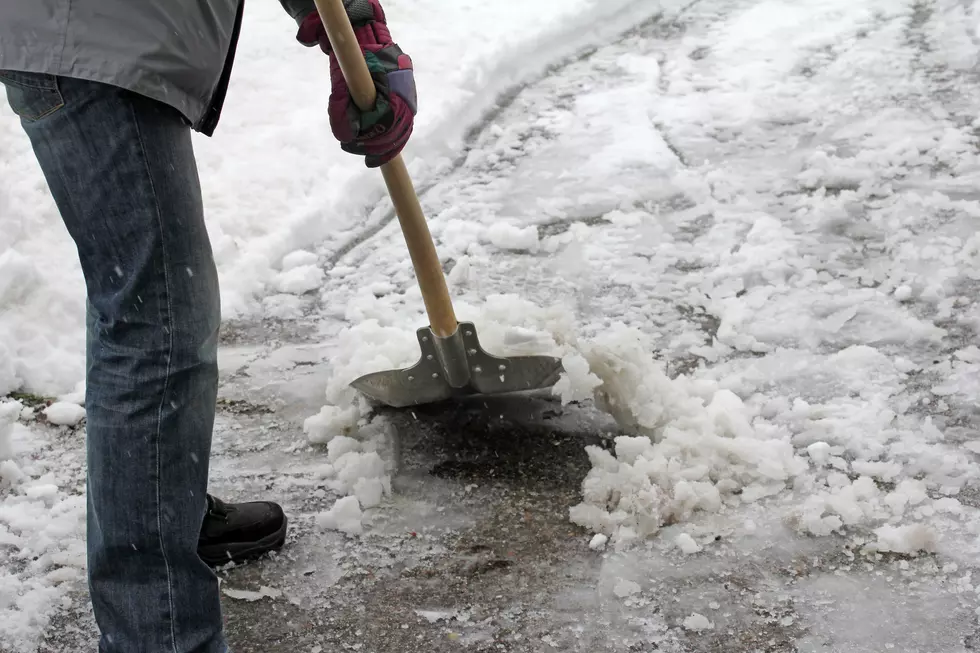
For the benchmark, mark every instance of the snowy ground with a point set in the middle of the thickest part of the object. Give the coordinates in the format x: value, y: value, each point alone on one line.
x: 749, y: 226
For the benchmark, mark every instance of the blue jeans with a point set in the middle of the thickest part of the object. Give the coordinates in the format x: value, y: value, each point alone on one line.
x: 121, y: 169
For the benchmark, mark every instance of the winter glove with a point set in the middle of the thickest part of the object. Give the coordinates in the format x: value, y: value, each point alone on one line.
x: 380, y: 133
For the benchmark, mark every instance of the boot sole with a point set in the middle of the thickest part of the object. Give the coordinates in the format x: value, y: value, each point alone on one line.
x: 217, y: 555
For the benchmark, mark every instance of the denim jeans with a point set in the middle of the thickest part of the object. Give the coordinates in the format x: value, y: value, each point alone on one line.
x: 122, y: 172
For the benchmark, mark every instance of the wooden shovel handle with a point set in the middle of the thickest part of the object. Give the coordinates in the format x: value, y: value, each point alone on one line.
x: 428, y: 270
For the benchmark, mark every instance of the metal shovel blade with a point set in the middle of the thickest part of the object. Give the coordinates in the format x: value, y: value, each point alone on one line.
x: 457, y: 366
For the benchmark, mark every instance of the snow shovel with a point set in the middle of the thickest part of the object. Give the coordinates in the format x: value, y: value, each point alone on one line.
x: 453, y: 363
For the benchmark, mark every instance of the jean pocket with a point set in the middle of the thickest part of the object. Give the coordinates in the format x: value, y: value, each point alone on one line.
x: 32, y: 96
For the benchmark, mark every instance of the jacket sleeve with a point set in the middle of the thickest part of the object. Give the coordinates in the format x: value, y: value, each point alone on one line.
x: 298, y: 9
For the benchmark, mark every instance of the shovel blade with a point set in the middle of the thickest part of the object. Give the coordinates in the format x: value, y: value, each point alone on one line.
x: 426, y: 381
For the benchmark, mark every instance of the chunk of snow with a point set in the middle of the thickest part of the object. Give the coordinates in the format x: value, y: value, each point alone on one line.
x: 330, y: 422
x: 626, y: 588
x: 345, y: 516
x: 576, y: 383
x: 819, y: 452
x: 299, y: 280
x: 697, y: 622
x: 598, y: 542
x: 247, y: 595
x: 341, y: 446
x: 62, y: 413
x: 9, y: 412
x: 506, y: 236
x: 907, y: 539
x: 297, y: 259
x: 687, y: 544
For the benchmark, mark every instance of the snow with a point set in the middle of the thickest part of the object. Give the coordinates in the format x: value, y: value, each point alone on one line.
x: 247, y: 595
x: 910, y: 539
x: 762, y: 265
x: 299, y: 280
x: 42, y: 529
x: 344, y: 516
x: 507, y: 236
x: 63, y: 413
x: 687, y: 544
x: 697, y: 622
x: 598, y: 542
x: 270, y: 189
x: 625, y: 588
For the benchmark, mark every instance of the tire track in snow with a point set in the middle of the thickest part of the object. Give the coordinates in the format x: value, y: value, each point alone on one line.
x: 477, y: 132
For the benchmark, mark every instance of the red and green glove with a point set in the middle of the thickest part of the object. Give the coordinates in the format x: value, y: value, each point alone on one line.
x: 380, y: 133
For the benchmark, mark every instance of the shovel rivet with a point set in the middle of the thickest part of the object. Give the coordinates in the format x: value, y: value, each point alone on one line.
x: 469, y: 333
x: 502, y: 368
x: 429, y: 357
x: 425, y: 338
x: 472, y: 352
x: 411, y: 378
x: 477, y: 369
x: 435, y: 375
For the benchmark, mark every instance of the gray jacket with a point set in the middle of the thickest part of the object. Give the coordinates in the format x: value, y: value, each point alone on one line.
x: 179, y: 52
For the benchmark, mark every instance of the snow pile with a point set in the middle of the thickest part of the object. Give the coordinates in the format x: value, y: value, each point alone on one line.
x: 42, y: 545
x: 696, y: 450
x: 357, y: 471
x: 381, y: 339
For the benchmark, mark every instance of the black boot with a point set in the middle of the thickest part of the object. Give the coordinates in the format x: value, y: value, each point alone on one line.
x: 234, y: 532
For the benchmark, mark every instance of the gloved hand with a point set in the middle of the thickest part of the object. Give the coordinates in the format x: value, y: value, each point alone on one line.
x: 382, y: 132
